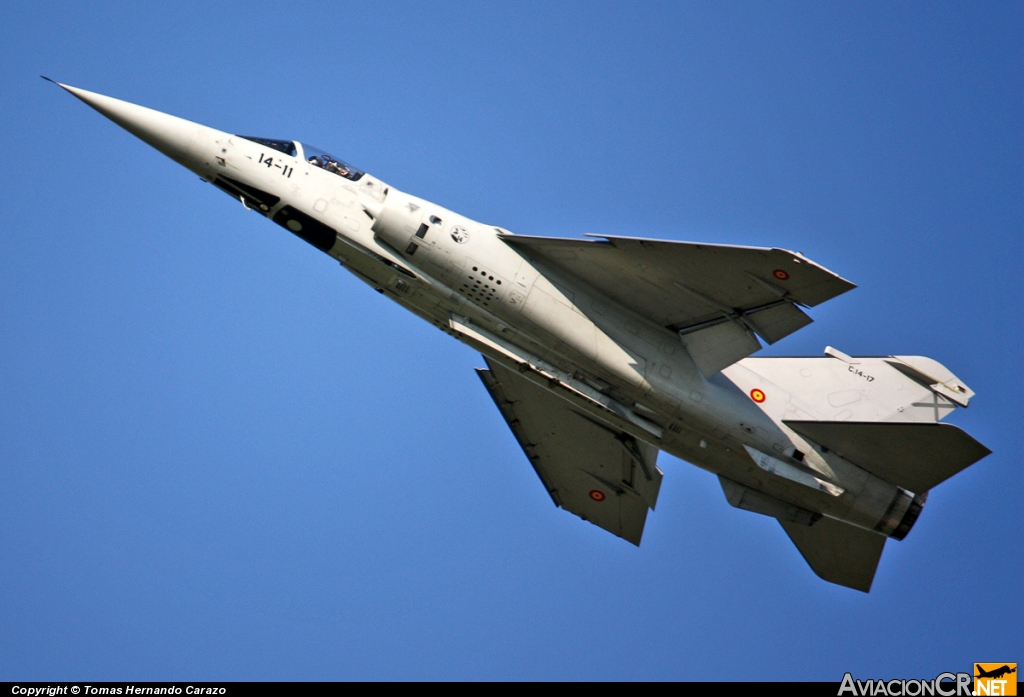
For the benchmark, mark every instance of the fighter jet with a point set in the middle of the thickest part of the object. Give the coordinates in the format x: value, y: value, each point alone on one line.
x: 603, y: 351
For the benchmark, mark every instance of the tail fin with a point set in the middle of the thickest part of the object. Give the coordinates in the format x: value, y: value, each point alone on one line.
x: 880, y: 413
x: 837, y: 387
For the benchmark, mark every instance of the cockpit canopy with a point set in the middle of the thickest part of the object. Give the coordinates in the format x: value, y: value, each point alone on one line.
x: 314, y: 156
x: 323, y: 160
x: 285, y: 146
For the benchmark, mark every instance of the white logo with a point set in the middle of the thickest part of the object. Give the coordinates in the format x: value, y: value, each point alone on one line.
x: 460, y: 235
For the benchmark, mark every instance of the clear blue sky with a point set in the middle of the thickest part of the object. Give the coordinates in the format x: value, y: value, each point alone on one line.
x: 223, y: 457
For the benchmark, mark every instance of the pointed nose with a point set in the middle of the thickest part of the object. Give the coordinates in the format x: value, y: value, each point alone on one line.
x: 185, y: 142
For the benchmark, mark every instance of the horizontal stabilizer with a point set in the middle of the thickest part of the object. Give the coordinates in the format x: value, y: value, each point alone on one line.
x: 915, y: 456
x: 589, y: 466
x: 838, y: 552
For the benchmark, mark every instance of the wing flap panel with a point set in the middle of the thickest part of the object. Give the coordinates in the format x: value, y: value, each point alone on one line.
x: 777, y: 321
x: 718, y: 346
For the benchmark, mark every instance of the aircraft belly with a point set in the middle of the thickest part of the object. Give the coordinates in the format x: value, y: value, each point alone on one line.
x: 645, y: 361
x: 863, y: 501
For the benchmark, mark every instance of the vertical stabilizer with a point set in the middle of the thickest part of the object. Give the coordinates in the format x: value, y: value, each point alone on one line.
x: 838, y: 387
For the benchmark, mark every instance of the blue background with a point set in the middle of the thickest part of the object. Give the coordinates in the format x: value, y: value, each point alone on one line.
x: 223, y: 457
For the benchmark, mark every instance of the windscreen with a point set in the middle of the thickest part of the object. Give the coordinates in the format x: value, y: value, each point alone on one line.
x: 285, y: 146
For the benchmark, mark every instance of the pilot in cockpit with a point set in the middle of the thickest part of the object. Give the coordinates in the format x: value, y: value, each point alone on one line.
x: 318, y: 158
x: 338, y: 168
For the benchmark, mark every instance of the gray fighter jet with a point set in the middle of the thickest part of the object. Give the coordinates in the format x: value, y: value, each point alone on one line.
x: 602, y: 352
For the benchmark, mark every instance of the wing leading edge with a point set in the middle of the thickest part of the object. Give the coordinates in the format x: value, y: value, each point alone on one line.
x: 588, y: 467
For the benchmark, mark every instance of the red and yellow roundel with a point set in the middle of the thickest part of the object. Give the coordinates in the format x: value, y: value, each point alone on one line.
x: 780, y: 274
x: 757, y: 395
x: 597, y: 495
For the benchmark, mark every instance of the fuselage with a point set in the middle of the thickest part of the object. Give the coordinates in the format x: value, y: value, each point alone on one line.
x: 461, y: 276
x: 458, y: 273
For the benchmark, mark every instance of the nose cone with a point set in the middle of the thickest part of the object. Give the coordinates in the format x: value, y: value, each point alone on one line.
x: 185, y: 142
